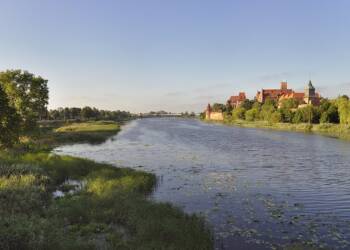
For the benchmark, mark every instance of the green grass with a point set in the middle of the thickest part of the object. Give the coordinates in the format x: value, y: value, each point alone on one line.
x: 53, y: 134
x: 98, y: 126
x: 330, y: 130
x: 110, y: 211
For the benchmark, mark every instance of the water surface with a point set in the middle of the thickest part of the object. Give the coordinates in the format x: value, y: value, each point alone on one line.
x: 258, y: 189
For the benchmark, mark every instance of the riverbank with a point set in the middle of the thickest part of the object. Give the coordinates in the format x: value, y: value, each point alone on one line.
x: 60, y: 202
x: 327, y: 129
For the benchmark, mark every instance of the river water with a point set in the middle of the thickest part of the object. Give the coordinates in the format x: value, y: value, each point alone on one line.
x: 258, y: 189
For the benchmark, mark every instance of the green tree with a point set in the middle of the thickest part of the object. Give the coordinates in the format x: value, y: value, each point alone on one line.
x: 247, y: 104
x: 289, y: 104
x: 276, y: 117
x: 9, y: 122
x: 287, y: 108
x: 343, y: 105
x: 27, y: 93
x: 218, y: 107
x: 329, y: 113
x: 298, y: 116
x: 308, y: 114
x: 252, y: 114
x: 238, y: 113
x: 267, y: 109
x: 87, y: 113
x: 228, y: 107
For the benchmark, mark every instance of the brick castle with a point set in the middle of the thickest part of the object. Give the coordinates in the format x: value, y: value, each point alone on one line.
x: 308, y: 97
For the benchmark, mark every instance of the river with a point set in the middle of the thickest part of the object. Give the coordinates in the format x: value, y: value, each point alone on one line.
x: 258, y: 189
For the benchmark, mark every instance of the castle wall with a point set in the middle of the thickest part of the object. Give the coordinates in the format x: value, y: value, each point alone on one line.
x: 216, y: 116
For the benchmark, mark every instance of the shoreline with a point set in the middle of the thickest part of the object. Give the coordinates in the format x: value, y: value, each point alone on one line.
x: 336, y: 131
x: 99, y: 205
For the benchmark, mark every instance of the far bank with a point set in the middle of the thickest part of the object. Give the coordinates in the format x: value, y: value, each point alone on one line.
x: 338, y: 131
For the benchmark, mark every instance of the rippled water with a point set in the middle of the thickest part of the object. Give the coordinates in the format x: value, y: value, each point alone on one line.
x: 258, y: 189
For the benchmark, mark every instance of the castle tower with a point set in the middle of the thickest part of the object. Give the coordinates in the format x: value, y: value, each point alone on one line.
x: 208, y: 112
x: 310, y: 93
x: 284, y: 85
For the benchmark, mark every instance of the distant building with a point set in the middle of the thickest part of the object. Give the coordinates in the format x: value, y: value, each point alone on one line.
x: 273, y: 94
x: 235, y: 101
x: 212, y: 115
x: 309, y: 96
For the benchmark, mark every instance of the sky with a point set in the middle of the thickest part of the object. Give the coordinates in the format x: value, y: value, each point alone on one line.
x: 175, y: 55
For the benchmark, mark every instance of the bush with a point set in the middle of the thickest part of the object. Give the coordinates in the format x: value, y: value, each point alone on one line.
x: 276, y: 117
x: 252, y: 115
x: 238, y: 113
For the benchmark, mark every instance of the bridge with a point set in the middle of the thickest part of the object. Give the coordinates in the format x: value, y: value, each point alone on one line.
x: 152, y: 115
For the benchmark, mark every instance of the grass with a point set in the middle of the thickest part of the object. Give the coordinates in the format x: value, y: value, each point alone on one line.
x: 327, y: 129
x: 110, y: 211
x: 52, y: 134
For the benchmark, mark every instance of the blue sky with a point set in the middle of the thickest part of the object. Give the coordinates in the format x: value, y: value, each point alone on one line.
x: 175, y: 55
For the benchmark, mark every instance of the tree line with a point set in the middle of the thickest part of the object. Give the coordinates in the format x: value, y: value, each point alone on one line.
x: 335, y: 111
x: 87, y: 113
x: 23, y: 102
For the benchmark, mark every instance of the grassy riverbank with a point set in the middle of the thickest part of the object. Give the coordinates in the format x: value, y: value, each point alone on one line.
x: 330, y: 130
x: 100, y: 206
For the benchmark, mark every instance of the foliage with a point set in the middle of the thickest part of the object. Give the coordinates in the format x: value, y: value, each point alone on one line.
x: 329, y: 112
x: 218, y: 107
x: 228, y: 107
x: 87, y: 113
x: 238, y: 113
x: 110, y: 210
x: 276, y: 117
x: 252, y: 114
x: 308, y: 114
x: 289, y: 104
x: 247, y: 104
x: 28, y: 95
x: 267, y: 109
x: 290, y: 111
x: 343, y: 105
x: 9, y: 122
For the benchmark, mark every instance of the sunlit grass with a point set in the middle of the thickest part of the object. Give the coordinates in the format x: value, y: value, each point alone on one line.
x: 110, y: 211
x: 98, y: 126
x: 328, y: 129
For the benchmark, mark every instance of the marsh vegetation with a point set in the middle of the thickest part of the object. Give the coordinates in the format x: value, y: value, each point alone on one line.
x: 109, y: 211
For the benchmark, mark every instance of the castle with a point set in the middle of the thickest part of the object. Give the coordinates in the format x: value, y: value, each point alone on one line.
x: 309, y: 96
x: 236, y: 101
x: 213, y: 115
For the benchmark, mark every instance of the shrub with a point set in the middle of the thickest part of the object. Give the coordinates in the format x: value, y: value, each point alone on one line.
x: 238, y: 113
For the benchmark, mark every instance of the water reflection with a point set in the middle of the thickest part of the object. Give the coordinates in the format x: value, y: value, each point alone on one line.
x: 257, y: 188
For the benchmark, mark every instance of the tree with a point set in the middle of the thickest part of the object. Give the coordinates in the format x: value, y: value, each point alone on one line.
x: 9, y: 121
x: 275, y: 117
x: 218, y: 107
x: 247, y: 104
x: 228, y: 107
x: 238, y: 113
x: 298, y: 116
x: 87, y: 113
x: 28, y: 95
x: 252, y: 114
x: 290, y: 103
x: 267, y: 109
x: 343, y: 105
x: 308, y: 114
x: 329, y: 112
